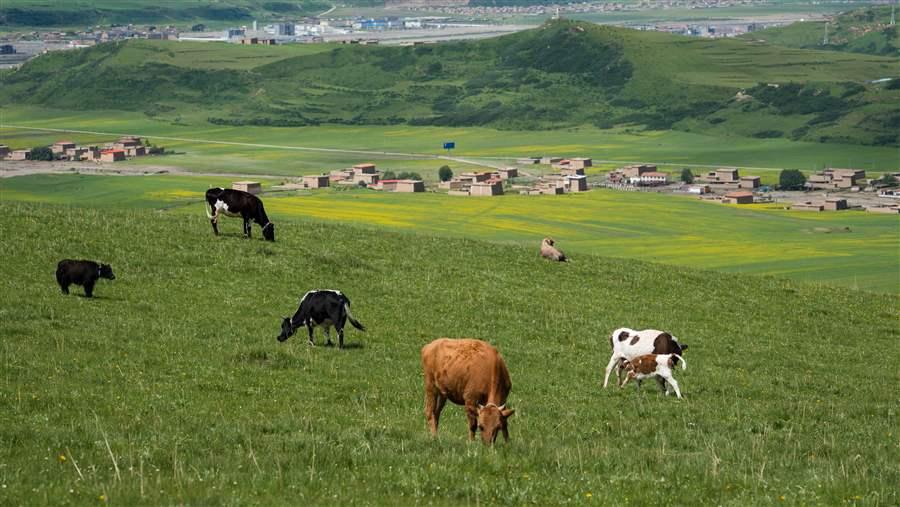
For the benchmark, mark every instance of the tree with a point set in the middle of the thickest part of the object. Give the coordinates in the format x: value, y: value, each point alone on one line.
x: 409, y: 176
x: 41, y: 153
x: 687, y: 176
x: 445, y: 173
x: 388, y: 175
x: 791, y: 179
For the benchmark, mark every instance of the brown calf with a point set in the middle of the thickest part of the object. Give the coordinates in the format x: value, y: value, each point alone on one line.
x: 654, y: 365
x: 471, y: 373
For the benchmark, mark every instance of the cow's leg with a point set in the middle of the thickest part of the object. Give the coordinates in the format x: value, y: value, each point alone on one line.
x: 661, y: 382
x: 65, y: 288
x: 246, y: 227
x: 434, y: 403
x: 472, y: 417
x: 505, y: 434
x: 674, y: 383
x: 328, y: 336
x: 609, y: 367
x: 620, y: 369
x: 214, y: 221
x: 89, y: 288
x: 309, y: 327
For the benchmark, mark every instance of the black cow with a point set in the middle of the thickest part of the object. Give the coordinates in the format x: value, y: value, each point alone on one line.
x: 84, y: 273
x: 237, y: 203
x: 325, y: 308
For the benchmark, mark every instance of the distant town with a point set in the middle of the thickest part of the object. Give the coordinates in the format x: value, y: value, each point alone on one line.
x: 454, y: 22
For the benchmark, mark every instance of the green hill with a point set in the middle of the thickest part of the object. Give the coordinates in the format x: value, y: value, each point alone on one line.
x: 865, y: 30
x: 561, y: 74
x: 170, y: 388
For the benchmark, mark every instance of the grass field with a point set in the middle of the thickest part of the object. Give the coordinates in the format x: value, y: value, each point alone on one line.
x: 169, y: 387
x: 678, y: 149
x: 851, y: 249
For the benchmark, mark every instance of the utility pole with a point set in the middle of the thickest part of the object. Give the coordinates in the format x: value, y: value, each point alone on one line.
x: 825, y: 40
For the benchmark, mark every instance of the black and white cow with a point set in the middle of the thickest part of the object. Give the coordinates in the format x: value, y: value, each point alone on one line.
x: 237, y: 203
x: 324, y: 308
x: 84, y: 273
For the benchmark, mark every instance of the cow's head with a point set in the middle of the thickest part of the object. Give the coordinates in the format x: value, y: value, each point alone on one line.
x: 287, y: 329
x: 549, y: 241
x: 492, y: 420
x: 106, y: 272
x: 268, y: 231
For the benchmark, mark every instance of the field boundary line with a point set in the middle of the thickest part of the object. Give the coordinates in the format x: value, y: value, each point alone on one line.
x: 416, y: 156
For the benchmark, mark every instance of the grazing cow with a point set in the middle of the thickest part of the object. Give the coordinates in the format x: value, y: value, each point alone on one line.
x: 84, y: 273
x: 324, y: 308
x: 548, y: 251
x: 654, y: 365
x: 237, y: 203
x: 628, y: 344
x: 470, y: 373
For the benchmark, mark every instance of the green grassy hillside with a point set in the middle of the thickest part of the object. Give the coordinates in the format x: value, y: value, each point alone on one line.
x: 561, y: 74
x: 851, y: 249
x: 865, y: 30
x: 170, y: 387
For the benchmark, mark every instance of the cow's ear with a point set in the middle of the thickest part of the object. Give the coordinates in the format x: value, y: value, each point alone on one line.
x: 480, y: 407
x: 507, y: 412
x: 683, y: 347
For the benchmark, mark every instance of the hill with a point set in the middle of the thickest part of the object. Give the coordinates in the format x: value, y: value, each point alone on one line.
x: 559, y: 75
x: 170, y: 386
x: 865, y: 30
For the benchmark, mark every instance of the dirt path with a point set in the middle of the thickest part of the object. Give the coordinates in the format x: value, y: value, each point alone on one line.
x: 12, y: 168
x: 415, y: 156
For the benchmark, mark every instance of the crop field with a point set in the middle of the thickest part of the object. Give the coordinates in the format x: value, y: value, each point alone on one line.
x: 169, y: 386
x: 272, y: 153
x: 851, y: 249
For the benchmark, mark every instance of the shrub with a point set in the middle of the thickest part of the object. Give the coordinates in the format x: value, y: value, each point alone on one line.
x: 41, y: 153
x: 687, y: 176
x: 791, y: 179
x: 445, y: 173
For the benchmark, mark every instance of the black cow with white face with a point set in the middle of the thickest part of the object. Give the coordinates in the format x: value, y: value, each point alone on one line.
x: 84, y: 273
x: 237, y: 203
x: 326, y: 308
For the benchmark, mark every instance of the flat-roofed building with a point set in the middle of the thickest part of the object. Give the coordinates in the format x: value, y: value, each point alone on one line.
x: 252, y: 187
x: 316, y: 181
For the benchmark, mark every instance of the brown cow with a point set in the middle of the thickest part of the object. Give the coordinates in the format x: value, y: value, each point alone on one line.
x: 548, y: 251
x: 471, y: 373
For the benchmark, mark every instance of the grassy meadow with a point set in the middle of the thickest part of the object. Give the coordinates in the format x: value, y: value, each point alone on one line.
x: 170, y: 387
x: 280, y: 150
x: 852, y: 249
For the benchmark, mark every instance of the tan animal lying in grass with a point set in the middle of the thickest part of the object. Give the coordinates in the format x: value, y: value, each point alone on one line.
x: 548, y: 251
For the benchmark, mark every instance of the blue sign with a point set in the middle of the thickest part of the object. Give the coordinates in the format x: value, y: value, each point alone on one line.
x: 449, y: 145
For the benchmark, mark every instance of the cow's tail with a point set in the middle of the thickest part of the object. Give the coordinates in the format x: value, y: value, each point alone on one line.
x: 209, y: 210
x: 683, y: 362
x: 357, y: 324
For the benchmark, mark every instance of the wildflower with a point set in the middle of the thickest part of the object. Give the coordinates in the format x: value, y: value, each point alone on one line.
x: 61, y: 458
x: 102, y: 498
x: 781, y: 498
x: 588, y: 494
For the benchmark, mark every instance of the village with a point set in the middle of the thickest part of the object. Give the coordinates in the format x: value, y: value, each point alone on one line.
x: 845, y: 189
x: 126, y: 147
x: 841, y: 188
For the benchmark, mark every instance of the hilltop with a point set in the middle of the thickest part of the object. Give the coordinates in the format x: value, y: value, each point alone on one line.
x: 865, y: 30
x: 561, y: 74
